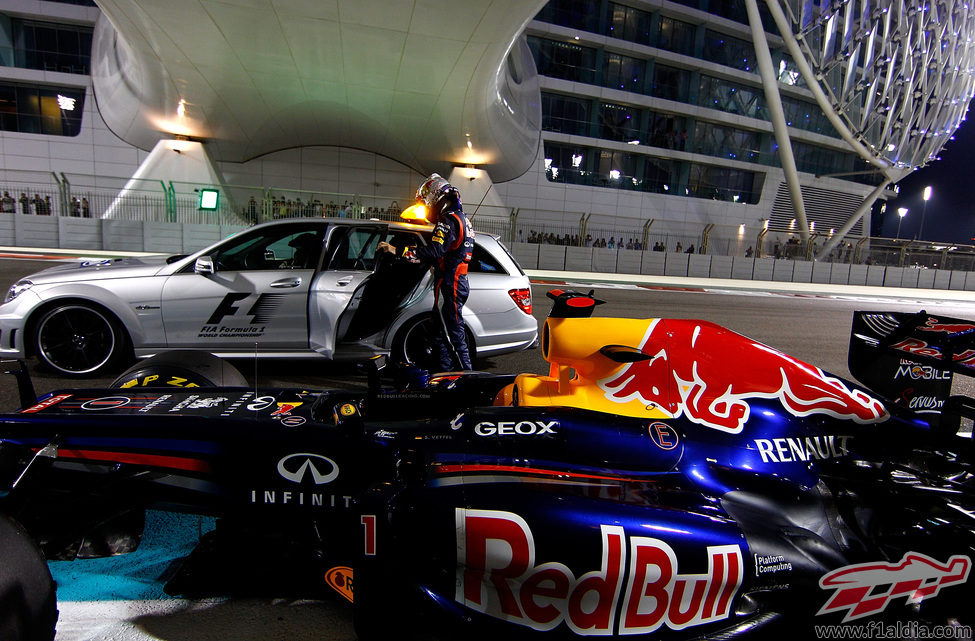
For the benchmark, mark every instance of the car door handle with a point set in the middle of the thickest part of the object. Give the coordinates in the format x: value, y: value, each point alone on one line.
x: 344, y: 281
x: 286, y: 282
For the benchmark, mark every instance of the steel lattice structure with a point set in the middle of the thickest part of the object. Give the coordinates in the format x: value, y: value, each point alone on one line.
x: 898, y: 73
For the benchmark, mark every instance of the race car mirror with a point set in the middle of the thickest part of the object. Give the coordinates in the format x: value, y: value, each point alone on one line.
x: 569, y: 304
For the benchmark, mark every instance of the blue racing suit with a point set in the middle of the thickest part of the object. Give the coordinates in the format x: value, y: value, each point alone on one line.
x: 449, y: 252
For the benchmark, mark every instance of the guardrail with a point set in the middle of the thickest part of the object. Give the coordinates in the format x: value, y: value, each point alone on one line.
x: 651, y: 263
x: 22, y: 230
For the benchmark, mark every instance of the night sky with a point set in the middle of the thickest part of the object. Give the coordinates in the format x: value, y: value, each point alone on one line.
x: 950, y: 213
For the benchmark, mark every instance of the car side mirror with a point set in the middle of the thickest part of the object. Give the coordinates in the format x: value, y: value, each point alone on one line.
x: 204, y: 265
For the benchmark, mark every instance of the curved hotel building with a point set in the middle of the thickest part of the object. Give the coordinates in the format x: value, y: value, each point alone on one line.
x: 661, y: 120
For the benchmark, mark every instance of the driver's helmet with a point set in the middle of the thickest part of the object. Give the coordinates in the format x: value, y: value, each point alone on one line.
x: 432, y: 189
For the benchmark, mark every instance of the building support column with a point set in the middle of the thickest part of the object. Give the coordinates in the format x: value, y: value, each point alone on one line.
x: 777, y: 114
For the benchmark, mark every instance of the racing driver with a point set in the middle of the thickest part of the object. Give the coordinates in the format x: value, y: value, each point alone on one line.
x: 449, y: 253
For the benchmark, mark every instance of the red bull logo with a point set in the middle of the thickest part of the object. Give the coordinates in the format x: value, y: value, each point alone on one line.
x: 915, y: 578
x: 935, y: 325
x: 708, y: 374
x: 636, y: 590
x: 922, y: 348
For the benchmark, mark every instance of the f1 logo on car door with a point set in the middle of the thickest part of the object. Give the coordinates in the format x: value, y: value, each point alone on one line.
x: 224, y: 310
x: 256, y: 294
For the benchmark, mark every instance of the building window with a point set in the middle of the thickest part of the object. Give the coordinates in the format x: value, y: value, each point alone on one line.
x: 788, y: 72
x: 567, y: 163
x: 563, y: 60
x: 575, y: 14
x: 727, y: 142
x: 723, y: 183
x: 54, y: 111
x: 668, y: 131
x: 670, y: 83
x: 619, y: 122
x: 47, y: 46
x: 732, y: 97
x: 676, y: 35
x: 659, y: 176
x: 565, y: 114
x: 729, y: 51
x: 623, y: 72
x: 627, y: 23
x: 807, y: 116
x: 616, y: 169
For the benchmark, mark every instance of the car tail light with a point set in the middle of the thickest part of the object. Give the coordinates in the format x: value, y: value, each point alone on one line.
x: 522, y: 298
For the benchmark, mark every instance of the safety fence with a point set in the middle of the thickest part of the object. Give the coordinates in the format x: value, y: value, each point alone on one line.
x: 23, y: 230
x: 649, y: 263
x: 105, y: 199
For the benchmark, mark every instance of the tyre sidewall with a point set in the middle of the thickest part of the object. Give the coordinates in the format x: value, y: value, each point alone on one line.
x: 28, y: 606
x: 119, y: 338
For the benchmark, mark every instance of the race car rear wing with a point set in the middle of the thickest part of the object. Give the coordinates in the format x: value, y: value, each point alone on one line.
x: 910, y: 359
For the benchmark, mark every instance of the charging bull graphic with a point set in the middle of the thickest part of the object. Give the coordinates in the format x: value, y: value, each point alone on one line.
x: 707, y: 373
x: 916, y: 577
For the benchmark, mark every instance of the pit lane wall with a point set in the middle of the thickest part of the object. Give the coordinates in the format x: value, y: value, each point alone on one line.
x: 180, y: 238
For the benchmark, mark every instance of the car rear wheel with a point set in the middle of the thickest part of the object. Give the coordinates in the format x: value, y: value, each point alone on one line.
x: 181, y: 368
x: 414, y: 344
x: 76, y: 339
x: 28, y: 605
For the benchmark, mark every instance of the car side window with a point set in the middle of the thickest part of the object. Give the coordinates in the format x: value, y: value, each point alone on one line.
x: 400, y: 239
x: 275, y: 247
x: 354, y: 249
x: 482, y: 261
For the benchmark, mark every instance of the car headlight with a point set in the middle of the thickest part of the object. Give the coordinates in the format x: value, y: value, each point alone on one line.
x: 17, y: 289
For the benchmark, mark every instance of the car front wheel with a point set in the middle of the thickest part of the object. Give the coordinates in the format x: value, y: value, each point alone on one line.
x: 75, y: 339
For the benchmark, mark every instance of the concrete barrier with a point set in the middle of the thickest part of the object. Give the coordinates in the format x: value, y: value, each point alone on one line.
x: 653, y: 263
x: 22, y: 230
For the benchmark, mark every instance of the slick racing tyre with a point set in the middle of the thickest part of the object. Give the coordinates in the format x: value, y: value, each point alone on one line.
x: 181, y: 368
x: 28, y: 607
x: 79, y: 339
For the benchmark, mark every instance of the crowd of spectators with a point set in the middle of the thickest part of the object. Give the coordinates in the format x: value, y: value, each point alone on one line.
x: 281, y: 207
x: 613, y: 242
x: 39, y: 206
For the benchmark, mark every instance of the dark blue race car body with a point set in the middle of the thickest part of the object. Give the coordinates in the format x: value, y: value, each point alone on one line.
x: 667, y: 478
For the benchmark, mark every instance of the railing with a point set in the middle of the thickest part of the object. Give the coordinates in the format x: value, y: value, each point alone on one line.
x: 243, y: 205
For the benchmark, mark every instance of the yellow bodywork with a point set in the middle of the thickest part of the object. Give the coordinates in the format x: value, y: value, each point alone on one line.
x: 576, y: 367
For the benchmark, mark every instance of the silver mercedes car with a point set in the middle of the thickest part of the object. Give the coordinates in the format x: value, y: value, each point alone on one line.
x: 290, y: 288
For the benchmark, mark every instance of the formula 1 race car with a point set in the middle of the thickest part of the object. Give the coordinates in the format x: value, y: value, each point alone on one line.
x: 667, y: 478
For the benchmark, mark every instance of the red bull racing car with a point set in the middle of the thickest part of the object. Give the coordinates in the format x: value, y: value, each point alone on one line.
x: 666, y: 479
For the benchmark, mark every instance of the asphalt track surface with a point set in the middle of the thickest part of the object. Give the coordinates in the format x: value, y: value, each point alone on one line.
x: 121, y: 599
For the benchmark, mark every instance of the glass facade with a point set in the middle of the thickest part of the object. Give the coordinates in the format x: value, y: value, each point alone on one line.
x: 676, y: 36
x: 619, y: 122
x: 644, y: 74
x: 583, y: 165
x: 46, y: 46
x: 623, y: 72
x: 628, y: 23
x: 729, y: 51
x: 564, y: 60
x: 712, y: 139
x: 565, y: 114
x: 54, y: 111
